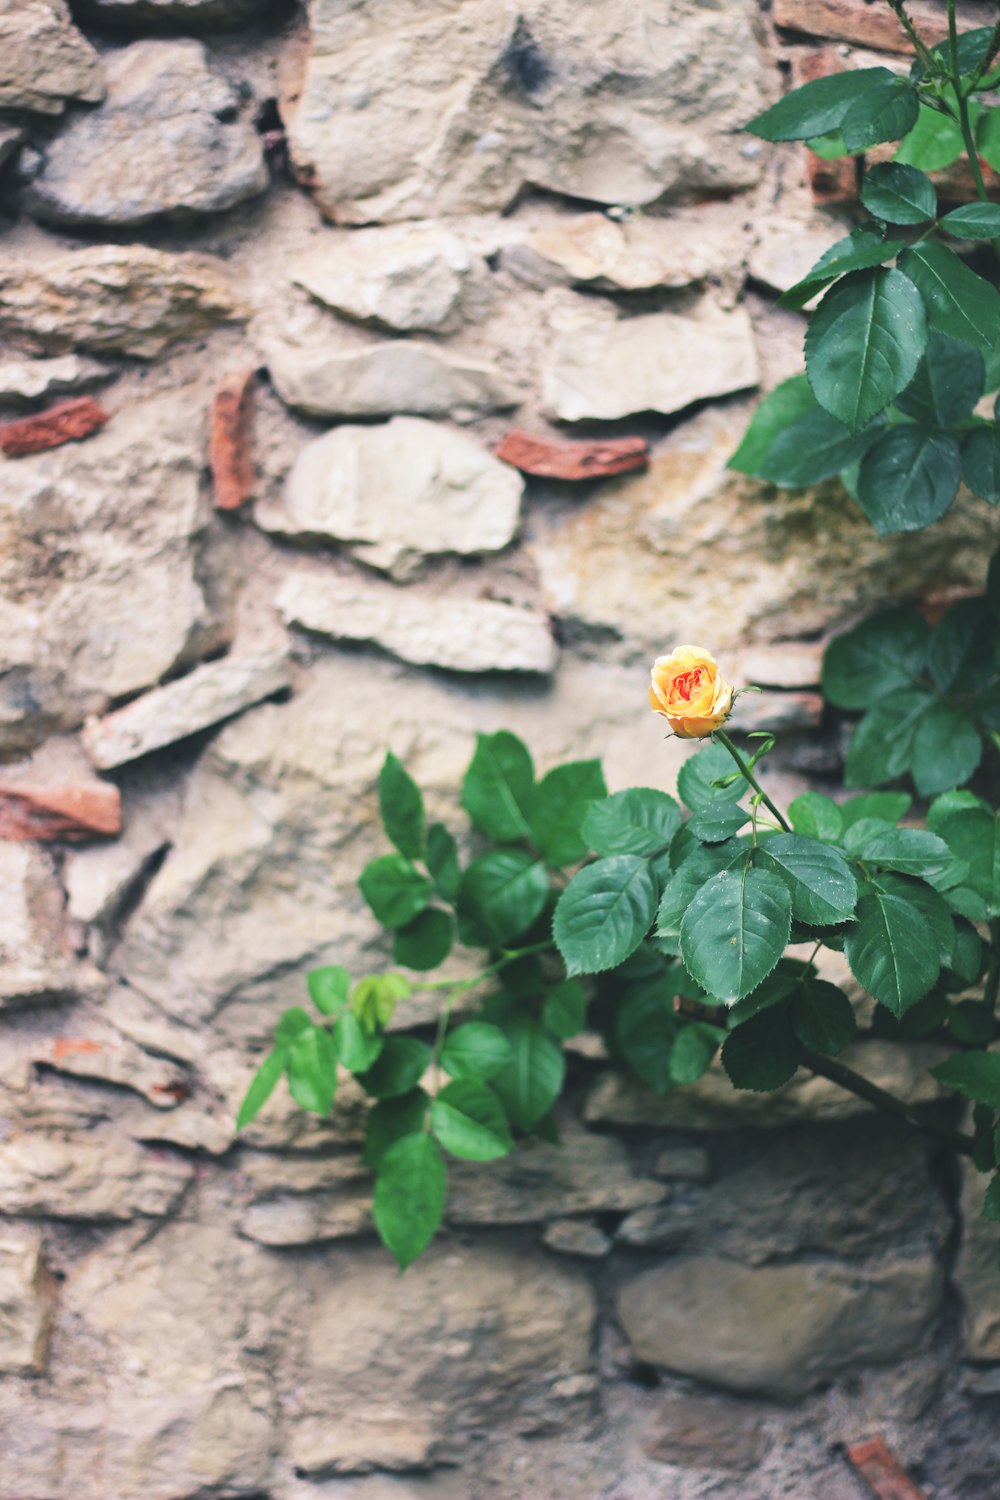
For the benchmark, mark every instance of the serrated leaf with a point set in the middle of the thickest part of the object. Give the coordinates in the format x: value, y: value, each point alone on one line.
x: 735, y: 930
x: 558, y: 808
x: 475, y: 1050
x: 974, y: 836
x: 604, y: 913
x: 328, y: 988
x: 312, y: 1070
x: 891, y: 951
x: 973, y: 221
x: 816, y: 817
x: 390, y: 1119
x: 531, y: 1082
x: 899, y: 194
x: 823, y: 1017
x: 425, y: 942
x: 812, y: 448
x: 506, y: 890
x: 981, y: 463
x: 958, y: 302
x: 949, y: 381
x: 960, y: 653
x: 638, y: 821
x: 884, y: 653
x: 822, y: 884
x: 498, y: 787
x: 262, y: 1086
x: 864, y: 343
x: 820, y: 107
x: 409, y: 1196
x: 974, y: 1075
x: 645, y: 1029
x: 692, y: 874
x: 885, y: 114
x: 398, y: 1069
x: 887, y: 807
x: 908, y: 478
x: 933, y: 143
x: 764, y: 1052
x: 693, y: 1050
x: 930, y: 905
x: 777, y: 411
x: 402, y: 808
x: 705, y: 766
x: 395, y: 889
x: 720, y: 820
x: 565, y: 1009
x: 881, y: 744
x: 860, y: 250
x: 946, y: 750
x: 468, y: 1121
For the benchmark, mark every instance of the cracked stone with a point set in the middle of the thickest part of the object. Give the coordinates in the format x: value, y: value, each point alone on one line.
x: 45, y: 61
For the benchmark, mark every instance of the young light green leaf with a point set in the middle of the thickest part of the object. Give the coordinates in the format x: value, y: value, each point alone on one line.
x: 530, y: 1083
x: 398, y: 1068
x: 933, y: 143
x: 409, y: 1196
x: 864, y: 343
x: 899, y: 194
x: 909, y: 478
x: 862, y: 249
x: 735, y: 930
x: 958, y: 302
x: 565, y: 1009
x: 312, y: 1070
x: 891, y: 951
x: 394, y: 889
x: 973, y: 221
x: 558, y: 807
x: 639, y: 821
x: 823, y: 1017
x: 604, y: 913
x: 402, y: 808
x: 506, y: 890
x: 498, y: 787
x: 262, y: 1086
x: 425, y: 942
x: 356, y: 1047
x: 822, y: 106
x: 475, y: 1050
x: 822, y: 885
x: 981, y: 462
x: 468, y: 1121
x: 292, y: 1021
x: 884, y: 653
x: 764, y: 1052
x: 328, y: 988
x: 375, y: 997
x: 974, y: 1075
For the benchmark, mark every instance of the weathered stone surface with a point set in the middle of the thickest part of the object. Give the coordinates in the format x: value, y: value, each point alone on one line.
x: 168, y: 142
x: 25, y: 380
x: 182, y: 15
x: 94, y: 1175
x: 398, y: 492
x: 777, y: 1330
x: 230, y: 452
x: 285, y: 1219
x: 697, y: 1432
x: 786, y: 664
x: 27, y: 1299
x: 396, y: 1372
x: 788, y: 244
x: 68, y: 422
x: 114, y: 299
x: 33, y: 964
x: 577, y: 1237
x: 421, y: 626
x: 44, y: 60
x: 412, y: 280
x: 100, y: 878
x: 660, y: 362
x: 713, y: 1104
x: 618, y: 106
x: 683, y: 1164
x: 204, y: 697
x: 114, y: 1059
x: 644, y: 558
x: 99, y: 566
x: 586, y: 1173
x: 976, y: 1272
x: 549, y: 459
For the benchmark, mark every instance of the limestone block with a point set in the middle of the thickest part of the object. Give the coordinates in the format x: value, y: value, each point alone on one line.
x: 453, y: 106
x: 780, y: 1330
x: 107, y: 1058
x: 93, y: 1175
x: 659, y: 362
x: 26, y: 380
x: 788, y: 244
x: 698, y: 1432
x: 976, y: 1272
x: 100, y: 878
x: 179, y: 15
x: 114, y: 299
x: 398, y: 492
x: 287, y: 1219
x: 27, y: 1300
x: 419, y: 625
x: 169, y: 141
x: 577, y: 1237
x: 412, y: 280
x: 34, y: 967
x: 44, y: 60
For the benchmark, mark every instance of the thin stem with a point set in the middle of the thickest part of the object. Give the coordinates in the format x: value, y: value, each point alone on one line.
x: 510, y: 956
x: 862, y: 1088
x: 750, y: 778
x: 916, y: 41
x: 963, y: 105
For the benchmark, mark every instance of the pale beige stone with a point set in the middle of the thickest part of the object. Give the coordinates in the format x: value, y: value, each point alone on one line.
x: 26, y: 380
x: 44, y: 60
x: 95, y: 1175
x: 34, y: 965
x: 27, y: 1302
x: 577, y: 1237
x: 789, y: 243
x: 107, y: 1058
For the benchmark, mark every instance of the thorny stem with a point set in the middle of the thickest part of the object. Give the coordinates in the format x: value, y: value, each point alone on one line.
x: 749, y: 777
x: 919, y: 46
x: 963, y: 105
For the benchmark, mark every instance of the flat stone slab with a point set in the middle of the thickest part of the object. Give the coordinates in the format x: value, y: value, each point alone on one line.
x: 27, y: 1302
x: 23, y: 381
x: 44, y: 60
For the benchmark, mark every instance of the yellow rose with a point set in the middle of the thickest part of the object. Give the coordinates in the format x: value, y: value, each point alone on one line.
x: 690, y: 692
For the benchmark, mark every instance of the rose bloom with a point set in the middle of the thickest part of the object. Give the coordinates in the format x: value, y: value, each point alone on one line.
x: 690, y: 692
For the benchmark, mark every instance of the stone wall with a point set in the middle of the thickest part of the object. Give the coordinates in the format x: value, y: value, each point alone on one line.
x: 273, y: 290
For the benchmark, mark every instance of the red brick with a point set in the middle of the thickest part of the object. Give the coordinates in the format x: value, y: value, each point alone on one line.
x: 64, y: 813
x: 577, y: 460
x: 831, y: 181
x: 867, y: 25
x: 67, y: 422
x: 231, y: 450
x: 882, y: 1471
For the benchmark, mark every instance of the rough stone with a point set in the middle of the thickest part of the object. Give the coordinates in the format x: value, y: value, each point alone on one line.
x: 549, y: 459
x: 577, y: 1237
x: 23, y: 381
x: 786, y: 665
x: 115, y: 299
x: 33, y: 964
x: 619, y: 106
x: 114, y: 1059
x: 412, y: 280
x: 777, y: 1331
x: 168, y: 142
x: 420, y: 625
x: 55, y: 795
x: 285, y: 1219
x: 976, y: 1272
x: 101, y: 878
x: 44, y: 60
x: 865, y: 25
x: 204, y: 697
x: 398, y: 492
x: 698, y: 1432
x: 230, y: 453
x: 659, y: 362
x: 27, y: 1301
x: 94, y: 1175
x: 11, y: 140
x: 97, y: 539
x: 68, y: 422
x: 180, y: 15
x: 788, y: 244
x: 645, y: 556
x: 683, y: 1164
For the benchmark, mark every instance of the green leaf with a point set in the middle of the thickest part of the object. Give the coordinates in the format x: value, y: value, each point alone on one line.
x: 991, y: 1200
x: 565, y: 1009
x: 356, y: 1046
x: 498, y: 787
x: 604, y: 913
x: 375, y: 999
x: 885, y: 114
x: 973, y: 1023
x: 891, y: 951
x: 789, y: 400
x: 822, y: 106
x: 645, y: 1028
x: 822, y: 885
x: 973, y: 221
x: 262, y: 1086
x: 692, y: 1052
x: 862, y: 249
x: 425, y: 942
x: 507, y: 890
x: 960, y: 655
x: 864, y: 343
x: 814, y: 447
x: 639, y: 821
x: 469, y: 1121
x: 988, y: 136
x: 884, y: 653
x: 409, y: 1196
x: 398, y: 1068
x: 909, y: 478
x: 974, y: 1075
x: 946, y: 750
x: 981, y: 463
x: 700, y: 770
x: 764, y: 1052
x: 934, y: 142
x: 735, y: 930
x: 782, y: 982
x: 292, y: 1021
x: 442, y: 861
x: 390, y: 1120
x: 816, y: 817
x: 558, y: 808
x: 881, y: 744
x: 531, y: 1082
x: 394, y: 889
x: 949, y: 381
x: 312, y: 1070
x: 888, y: 807
x: 685, y: 883
x: 475, y: 1050
x: 328, y: 988
x: 973, y: 836
x: 823, y: 1017
x: 958, y: 302
x: 930, y: 906
x: 948, y: 803
x: 899, y: 194
x: 402, y: 808
x: 719, y: 821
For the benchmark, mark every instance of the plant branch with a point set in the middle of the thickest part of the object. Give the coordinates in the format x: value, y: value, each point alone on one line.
x: 916, y: 41
x: 750, y: 778
x: 963, y: 105
x: 862, y: 1088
